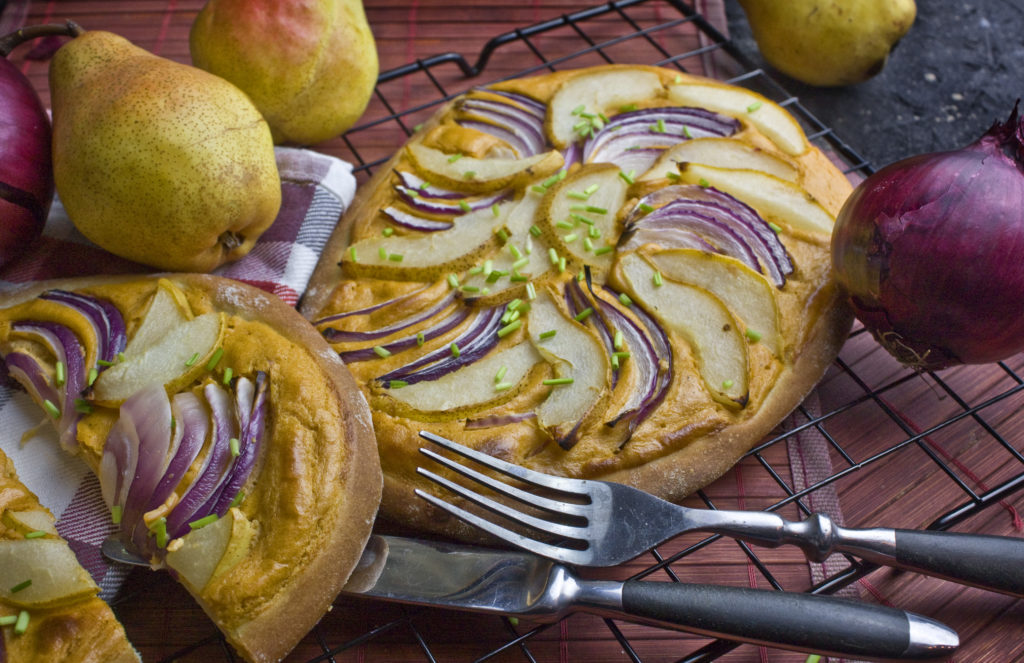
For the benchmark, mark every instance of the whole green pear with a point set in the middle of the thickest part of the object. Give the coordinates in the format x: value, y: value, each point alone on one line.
x: 156, y: 161
x: 310, y: 66
x: 828, y: 43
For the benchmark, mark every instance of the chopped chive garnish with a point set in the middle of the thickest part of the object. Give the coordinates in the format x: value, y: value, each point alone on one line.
x: 645, y: 208
x: 418, y: 127
x: 592, y: 188
x: 587, y: 244
x: 581, y: 125
x: 678, y: 79
x: 672, y: 175
x: 509, y: 328
x: 469, y: 174
x: 518, y: 278
x: 551, y: 181
x: 381, y: 351
x: 561, y: 264
x: 594, y: 232
x: 510, y: 316
x: 502, y: 386
x: 577, y: 195
x: 628, y: 177
x: 502, y: 235
x: 453, y: 280
x: 726, y: 384
x: 233, y: 445
x: 228, y: 373
x: 584, y: 314
x: 618, y: 340
x: 215, y: 359
x: 579, y: 109
x: 500, y: 375
x: 495, y: 210
x: 454, y: 347
x: 470, y: 288
x: 593, y: 209
x: 455, y: 157
x: 775, y: 227
x: 51, y: 409
x: 193, y: 359
x: 656, y: 279
x: 813, y: 658
x: 352, y: 254
x: 24, y: 584
x: 61, y: 376
x: 534, y: 230
x: 382, y: 253
x: 159, y: 528
x: 603, y: 250
x: 753, y: 335
x: 475, y: 269
x: 614, y: 361
x: 522, y: 262
x: 564, y: 225
x: 7, y: 620
x: 464, y: 206
x: 93, y: 374
x: 21, y: 625
x: 553, y: 255
x: 104, y: 363
x: 388, y: 231
x: 570, y: 238
x: 488, y: 267
x: 536, y: 188
x: 35, y: 534
x: 237, y: 500
x: 514, y: 250
x: 627, y: 108
x: 753, y: 107
x: 531, y: 291
x: 704, y: 183
x: 686, y: 131
x: 115, y: 514
x: 397, y: 384
x: 420, y: 338
x: 82, y: 406
x: 660, y: 126
x: 549, y: 333
x: 395, y: 257
x: 621, y: 354
x: 203, y: 522
x: 557, y: 381
x: 625, y: 300
x: 580, y: 276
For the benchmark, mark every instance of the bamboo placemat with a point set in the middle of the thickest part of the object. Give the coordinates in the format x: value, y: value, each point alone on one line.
x: 856, y: 449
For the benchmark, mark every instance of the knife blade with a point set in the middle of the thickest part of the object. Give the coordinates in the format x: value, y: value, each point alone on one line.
x: 519, y: 584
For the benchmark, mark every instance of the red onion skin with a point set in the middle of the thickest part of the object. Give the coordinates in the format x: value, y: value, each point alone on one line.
x: 26, y: 173
x: 930, y: 251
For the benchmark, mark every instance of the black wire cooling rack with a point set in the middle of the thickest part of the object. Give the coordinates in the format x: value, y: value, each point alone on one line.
x: 947, y: 463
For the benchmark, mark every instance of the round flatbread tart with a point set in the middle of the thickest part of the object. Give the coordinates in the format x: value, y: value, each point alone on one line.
x: 231, y: 444
x: 618, y: 273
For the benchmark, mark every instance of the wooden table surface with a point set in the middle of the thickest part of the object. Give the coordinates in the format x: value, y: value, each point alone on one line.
x: 857, y: 443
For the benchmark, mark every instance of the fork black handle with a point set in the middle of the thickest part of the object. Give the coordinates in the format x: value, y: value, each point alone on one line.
x: 804, y: 622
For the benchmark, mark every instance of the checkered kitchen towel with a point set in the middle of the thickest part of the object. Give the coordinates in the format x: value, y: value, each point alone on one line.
x: 316, y: 189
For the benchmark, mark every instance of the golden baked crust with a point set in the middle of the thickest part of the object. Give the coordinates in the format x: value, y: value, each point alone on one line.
x: 695, y: 434
x: 82, y: 631
x: 312, y: 496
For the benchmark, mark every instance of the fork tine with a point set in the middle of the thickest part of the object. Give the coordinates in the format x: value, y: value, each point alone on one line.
x: 544, y: 503
x: 524, y: 542
x: 546, y: 526
x: 572, y: 486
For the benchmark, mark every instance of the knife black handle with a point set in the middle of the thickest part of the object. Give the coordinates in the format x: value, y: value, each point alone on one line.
x: 805, y: 622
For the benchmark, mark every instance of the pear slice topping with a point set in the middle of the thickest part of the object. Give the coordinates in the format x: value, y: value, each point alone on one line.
x: 722, y: 153
x: 585, y: 97
x: 211, y: 550
x: 580, y: 218
x: 473, y: 175
x: 580, y: 364
x: 783, y: 201
x: 430, y: 256
x: 717, y: 341
x: 167, y: 309
x: 747, y: 294
x: 173, y: 360
x: 26, y: 522
x: 770, y: 119
x: 475, y: 388
x: 42, y: 573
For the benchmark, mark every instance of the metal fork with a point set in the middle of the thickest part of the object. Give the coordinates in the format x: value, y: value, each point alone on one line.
x: 600, y: 523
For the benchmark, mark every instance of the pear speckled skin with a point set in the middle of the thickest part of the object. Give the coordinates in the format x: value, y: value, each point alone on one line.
x: 828, y: 43
x: 156, y: 161
x: 310, y: 66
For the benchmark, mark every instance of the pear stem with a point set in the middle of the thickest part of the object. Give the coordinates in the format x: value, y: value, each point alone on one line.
x: 11, y: 41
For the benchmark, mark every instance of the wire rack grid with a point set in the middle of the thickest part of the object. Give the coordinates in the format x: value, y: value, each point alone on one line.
x: 945, y: 465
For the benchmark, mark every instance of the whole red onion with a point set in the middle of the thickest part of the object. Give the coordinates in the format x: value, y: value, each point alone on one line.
x: 931, y: 252
x: 26, y: 175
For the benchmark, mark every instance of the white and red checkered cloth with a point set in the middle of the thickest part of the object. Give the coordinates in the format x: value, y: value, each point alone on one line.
x: 316, y: 189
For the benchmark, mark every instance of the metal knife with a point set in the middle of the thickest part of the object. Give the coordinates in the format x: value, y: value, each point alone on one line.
x: 520, y: 584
